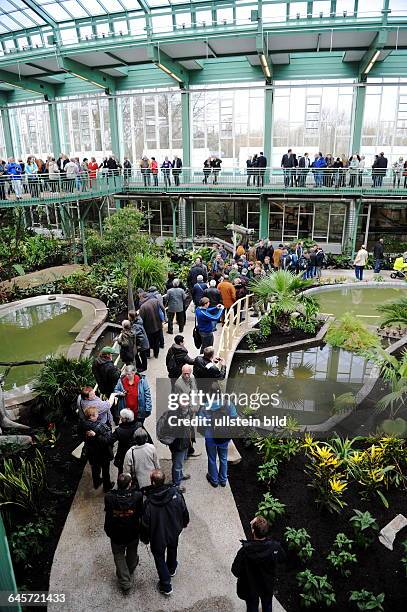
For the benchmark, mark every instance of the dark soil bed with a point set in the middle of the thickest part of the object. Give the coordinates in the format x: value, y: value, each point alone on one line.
x: 377, y: 570
x: 276, y: 338
x: 63, y: 473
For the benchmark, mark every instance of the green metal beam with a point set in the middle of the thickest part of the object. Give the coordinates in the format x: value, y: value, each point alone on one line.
x: 27, y: 83
x: 264, y: 217
x: 268, y: 125
x: 186, y: 128
x: 114, y: 126
x: 357, y: 119
x: 371, y: 55
x: 86, y: 73
x: 55, y: 136
x: 171, y: 67
x: 8, y: 138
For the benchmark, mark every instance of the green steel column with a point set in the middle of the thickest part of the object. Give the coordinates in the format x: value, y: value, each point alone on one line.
x: 268, y: 128
x: 264, y: 217
x: 55, y: 136
x: 8, y: 138
x: 114, y: 127
x: 186, y: 132
x: 357, y: 122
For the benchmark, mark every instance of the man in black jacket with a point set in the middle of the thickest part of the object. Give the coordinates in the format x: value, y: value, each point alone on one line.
x: 105, y: 372
x: 177, y: 356
x: 261, y: 251
x: 254, y: 567
x: 196, y: 270
x: 287, y: 162
x: 165, y: 516
x: 304, y: 166
x: 208, y: 369
x: 261, y: 165
x: 381, y: 163
x: 378, y: 255
x: 123, y: 508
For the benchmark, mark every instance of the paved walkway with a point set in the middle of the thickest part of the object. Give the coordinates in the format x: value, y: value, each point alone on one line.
x: 41, y: 277
x: 83, y: 564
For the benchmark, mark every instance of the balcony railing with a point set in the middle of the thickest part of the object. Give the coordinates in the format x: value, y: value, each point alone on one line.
x: 32, y: 189
x: 269, y: 179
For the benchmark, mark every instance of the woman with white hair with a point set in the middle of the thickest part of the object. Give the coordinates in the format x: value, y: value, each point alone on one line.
x: 123, y: 434
x: 141, y: 459
x: 134, y: 393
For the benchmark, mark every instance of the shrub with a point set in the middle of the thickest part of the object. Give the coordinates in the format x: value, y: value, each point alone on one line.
x: 350, y: 334
x: 369, y: 469
x: 341, y: 556
x: 22, y: 483
x: 150, y: 271
x: 298, y: 540
x: 277, y: 448
x: 328, y: 481
x: 365, y: 528
x: 365, y: 600
x: 268, y: 472
x: 316, y: 590
x: 27, y: 541
x: 270, y: 508
x: 58, y: 384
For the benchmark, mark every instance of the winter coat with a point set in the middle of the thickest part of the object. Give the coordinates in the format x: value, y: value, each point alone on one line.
x: 254, y: 568
x: 144, y: 397
x: 165, y: 516
x: 205, y: 372
x: 71, y: 170
x: 53, y: 171
x: 228, y: 293
x: 149, y: 312
x: 123, y: 434
x: 194, y: 272
x: 177, y: 356
x: 361, y: 258
x: 123, y: 511
x: 261, y: 161
x: 106, y: 375
x: 14, y: 170
x: 142, y: 342
x: 175, y: 298
x: 378, y: 251
x: 213, y: 295
x: 128, y: 346
x: 198, y: 291
x: 205, y: 317
x: 319, y: 258
x: 140, y: 461
x: 261, y: 253
x: 99, y: 446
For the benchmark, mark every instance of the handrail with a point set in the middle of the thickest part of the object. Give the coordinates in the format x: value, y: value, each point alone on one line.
x: 234, y: 323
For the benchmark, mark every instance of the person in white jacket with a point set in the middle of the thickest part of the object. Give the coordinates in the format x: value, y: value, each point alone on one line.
x: 360, y: 262
x: 141, y: 459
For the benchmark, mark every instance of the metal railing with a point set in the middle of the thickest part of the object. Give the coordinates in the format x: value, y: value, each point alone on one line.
x: 292, y: 179
x: 236, y: 323
x: 45, y: 187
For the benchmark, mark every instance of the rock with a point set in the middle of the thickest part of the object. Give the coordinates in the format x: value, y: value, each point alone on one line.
x: 388, y: 534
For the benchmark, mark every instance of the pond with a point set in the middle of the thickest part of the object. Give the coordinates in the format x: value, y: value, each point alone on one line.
x: 34, y: 332
x: 308, y: 381
x: 362, y: 301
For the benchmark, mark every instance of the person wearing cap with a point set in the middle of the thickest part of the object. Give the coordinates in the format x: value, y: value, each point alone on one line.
x: 105, y: 372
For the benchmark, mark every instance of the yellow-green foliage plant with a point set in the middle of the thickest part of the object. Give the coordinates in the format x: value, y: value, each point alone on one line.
x: 350, y: 334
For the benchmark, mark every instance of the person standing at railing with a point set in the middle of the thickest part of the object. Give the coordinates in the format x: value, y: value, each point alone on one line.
x: 318, y: 166
x: 154, y: 171
x: 71, y: 171
x: 303, y: 165
x: 166, y: 170
x: 206, y: 170
x: 62, y: 161
x: 382, y: 169
x: 337, y: 170
x: 405, y: 174
x: 249, y: 170
x: 328, y: 174
x: 3, y: 177
x: 14, y: 170
x: 31, y: 170
x: 362, y: 163
x: 176, y: 169
x: 397, y: 171
x: 353, y: 170
x: 343, y: 170
x: 84, y: 174
x: 126, y: 171
x: 145, y: 170
x: 53, y: 175
x: 261, y: 169
x: 93, y: 167
x: 287, y: 164
x: 216, y: 164
x: 228, y: 293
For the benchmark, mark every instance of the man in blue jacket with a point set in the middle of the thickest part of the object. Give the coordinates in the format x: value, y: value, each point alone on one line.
x: 205, y: 317
x: 14, y: 170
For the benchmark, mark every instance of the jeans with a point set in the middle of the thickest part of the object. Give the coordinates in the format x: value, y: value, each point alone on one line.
x: 217, y: 475
x: 166, y: 566
x: 318, y: 178
x: 178, y: 458
x: 180, y: 317
x: 311, y: 272
x: 252, y: 605
x: 359, y: 272
x: 126, y: 560
x: 207, y: 340
x: 378, y: 265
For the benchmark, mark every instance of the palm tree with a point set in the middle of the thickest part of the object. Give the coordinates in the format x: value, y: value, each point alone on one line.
x: 395, y: 312
x: 282, y: 292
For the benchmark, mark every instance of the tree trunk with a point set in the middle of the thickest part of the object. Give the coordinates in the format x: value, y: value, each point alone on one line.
x: 130, y: 296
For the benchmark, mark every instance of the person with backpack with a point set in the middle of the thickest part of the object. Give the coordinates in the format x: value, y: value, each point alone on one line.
x: 177, y: 357
x: 165, y: 516
x: 141, y: 459
x: 217, y: 437
x: 123, y: 511
x: 255, y: 567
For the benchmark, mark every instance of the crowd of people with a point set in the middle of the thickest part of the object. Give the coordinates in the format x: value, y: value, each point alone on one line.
x: 331, y: 171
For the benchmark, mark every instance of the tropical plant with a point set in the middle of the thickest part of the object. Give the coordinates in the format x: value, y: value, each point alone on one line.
x: 369, y: 469
x: 395, y: 454
x: 343, y: 403
x: 365, y: 600
x: 343, y: 447
x: 316, y: 590
x: 394, y: 312
x: 149, y: 271
x: 27, y: 541
x: 393, y: 370
x: 268, y: 472
x: 327, y: 478
x: 276, y: 448
x: 58, y: 384
x: 298, y: 540
x: 365, y: 528
x: 341, y: 556
x: 22, y: 483
x: 270, y: 507
x: 350, y: 334
x: 282, y: 291
x: 251, y: 340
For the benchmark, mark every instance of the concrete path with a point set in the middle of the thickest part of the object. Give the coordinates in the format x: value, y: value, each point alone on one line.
x: 83, y: 564
x: 41, y: 277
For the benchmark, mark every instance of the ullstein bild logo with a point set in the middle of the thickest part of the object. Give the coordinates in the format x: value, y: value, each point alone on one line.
x: 227, y: 421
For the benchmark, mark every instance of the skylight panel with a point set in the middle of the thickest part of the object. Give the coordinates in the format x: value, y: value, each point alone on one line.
x: 75, y: 9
